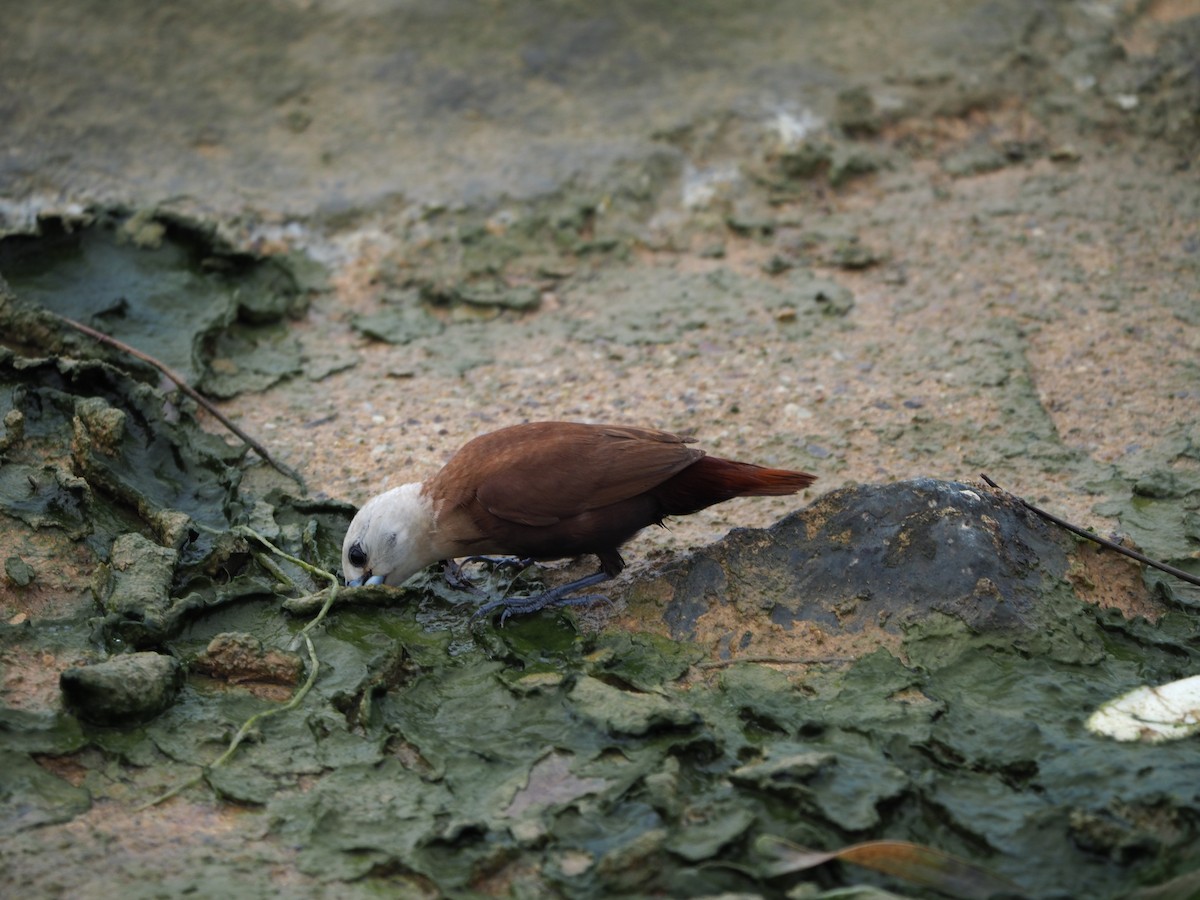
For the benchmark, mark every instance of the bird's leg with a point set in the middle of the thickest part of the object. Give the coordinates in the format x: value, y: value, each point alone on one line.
x: 559, y: 596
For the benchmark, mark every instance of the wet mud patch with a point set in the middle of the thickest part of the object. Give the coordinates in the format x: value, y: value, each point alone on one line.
x: 94, y: 454
x: 166, y: 286
x: 110, y: 487
x: 240, y: 658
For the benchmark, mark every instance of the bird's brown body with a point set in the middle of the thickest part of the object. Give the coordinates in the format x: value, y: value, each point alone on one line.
x: 548, y: 490
x: 554, y: 489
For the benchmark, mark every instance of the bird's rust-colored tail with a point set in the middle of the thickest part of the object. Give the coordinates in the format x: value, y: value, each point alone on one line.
x: 712, y: 480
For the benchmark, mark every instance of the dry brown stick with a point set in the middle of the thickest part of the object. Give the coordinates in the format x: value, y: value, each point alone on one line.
x: 1103, y: 542
x: 186, y: 388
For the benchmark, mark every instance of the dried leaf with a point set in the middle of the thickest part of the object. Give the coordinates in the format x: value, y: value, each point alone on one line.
x: 913, y: 863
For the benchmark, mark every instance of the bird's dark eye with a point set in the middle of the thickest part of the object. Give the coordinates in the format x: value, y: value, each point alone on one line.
x: 357, y: 556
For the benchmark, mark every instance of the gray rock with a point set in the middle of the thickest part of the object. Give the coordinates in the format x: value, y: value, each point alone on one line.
x: 130, y: 688
x: 880, y: 556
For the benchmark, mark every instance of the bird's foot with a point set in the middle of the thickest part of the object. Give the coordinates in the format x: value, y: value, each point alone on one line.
x: 563, y: 595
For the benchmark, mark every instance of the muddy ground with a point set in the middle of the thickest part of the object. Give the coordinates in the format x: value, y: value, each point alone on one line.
x: 829, y: 236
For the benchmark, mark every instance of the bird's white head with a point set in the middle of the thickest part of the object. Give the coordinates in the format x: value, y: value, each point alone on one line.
x: 390, y: 539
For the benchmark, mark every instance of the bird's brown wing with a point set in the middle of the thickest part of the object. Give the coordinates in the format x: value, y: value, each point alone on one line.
x: 543, y: 472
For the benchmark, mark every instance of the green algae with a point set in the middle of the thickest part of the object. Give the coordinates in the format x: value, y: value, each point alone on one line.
x: 31, y: 796
x: 41, y: 731
x: 124, y: 474
x: 402, y: 319
x: 444, y: 332
x: 18, y: 572
x: 249, y: 357
x: 135, y: 583
x: 98, y: 276
x: 1158, y: 506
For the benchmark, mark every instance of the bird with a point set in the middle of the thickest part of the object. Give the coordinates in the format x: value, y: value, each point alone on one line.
x: 545, y: 491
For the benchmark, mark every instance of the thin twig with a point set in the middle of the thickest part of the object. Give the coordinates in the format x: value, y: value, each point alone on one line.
x: 281, y: 576
x: 308, y: 567
x: 1103, y: 542
x: 187, y: 389
x: 314, y: 666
